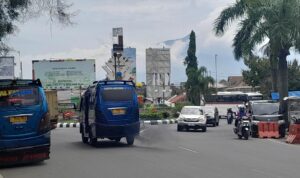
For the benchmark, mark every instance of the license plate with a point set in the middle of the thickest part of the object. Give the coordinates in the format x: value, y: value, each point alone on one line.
x: 191, y: 124
x: 118, y: 111
x: 18, y: 119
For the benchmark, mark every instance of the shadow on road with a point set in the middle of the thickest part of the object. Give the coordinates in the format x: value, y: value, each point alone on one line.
x: 27, y: 165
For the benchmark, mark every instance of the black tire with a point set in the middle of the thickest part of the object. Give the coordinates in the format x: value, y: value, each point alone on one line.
x: 214, y: 124
x: 179, y: 129
x: 92, y: 141
x: 83, y: 138
x: 246, y: 135
x: 254, y: 135
x: 130, y: 140
x: 240, y: 137
x: 282, y: 131
x: 203, y: 129
x: 217, y: 124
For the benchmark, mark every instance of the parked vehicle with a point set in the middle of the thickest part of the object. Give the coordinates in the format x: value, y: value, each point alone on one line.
x: 51, y: 96
x: 243, y: 128
x: 192, y: 117
x: 265, y: 111
x: 212, y: 115
x: 293, y: 109
x: 109, y: 110
x: 24, y: 122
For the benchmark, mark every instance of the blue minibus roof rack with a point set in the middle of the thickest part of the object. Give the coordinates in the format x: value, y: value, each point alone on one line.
x: 112, y: 82
x: 4, y: 83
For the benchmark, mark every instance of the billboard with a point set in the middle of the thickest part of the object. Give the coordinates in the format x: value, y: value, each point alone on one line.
x: 130, y: 54
x: 64, y: 74
x: 7, y: 68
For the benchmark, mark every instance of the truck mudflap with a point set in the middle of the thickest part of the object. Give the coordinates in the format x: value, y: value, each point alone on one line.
x: 26, y: 155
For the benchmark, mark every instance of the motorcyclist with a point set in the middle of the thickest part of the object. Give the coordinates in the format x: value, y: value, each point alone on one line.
x: 241, y: 113
x: 229, y: 113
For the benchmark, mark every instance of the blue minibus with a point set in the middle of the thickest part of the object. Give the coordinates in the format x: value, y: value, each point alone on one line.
x: 109, y: 110
x: 24, y: 122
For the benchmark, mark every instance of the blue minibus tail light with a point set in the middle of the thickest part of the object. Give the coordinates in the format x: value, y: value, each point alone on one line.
x: 45, y: 124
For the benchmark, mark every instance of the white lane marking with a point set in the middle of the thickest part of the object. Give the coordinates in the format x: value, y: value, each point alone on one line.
x: 143, y: 130
x: 187, y: 149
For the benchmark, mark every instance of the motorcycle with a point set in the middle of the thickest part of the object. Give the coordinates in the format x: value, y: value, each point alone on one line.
x: 229, y: 118
x: 243, y: 128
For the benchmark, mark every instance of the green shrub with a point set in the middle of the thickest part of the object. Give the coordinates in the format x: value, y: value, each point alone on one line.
x: 151, y: 115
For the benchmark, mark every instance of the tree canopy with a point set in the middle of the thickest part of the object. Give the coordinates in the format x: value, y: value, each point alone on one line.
x: 275, y: 21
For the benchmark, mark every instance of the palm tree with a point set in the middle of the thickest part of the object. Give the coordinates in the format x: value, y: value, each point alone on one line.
x: 259, y: 20
x: 204, y: 81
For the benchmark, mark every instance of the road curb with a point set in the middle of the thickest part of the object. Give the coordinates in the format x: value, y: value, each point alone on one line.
x: 150, y: 122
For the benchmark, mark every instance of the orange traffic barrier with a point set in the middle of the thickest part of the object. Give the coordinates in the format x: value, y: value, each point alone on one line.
x: 294, y: 134
x: 268, y: 130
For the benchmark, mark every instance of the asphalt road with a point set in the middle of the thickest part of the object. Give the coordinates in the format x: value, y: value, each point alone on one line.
x: 161, y: 151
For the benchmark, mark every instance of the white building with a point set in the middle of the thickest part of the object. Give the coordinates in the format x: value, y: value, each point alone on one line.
x: 158, y: 73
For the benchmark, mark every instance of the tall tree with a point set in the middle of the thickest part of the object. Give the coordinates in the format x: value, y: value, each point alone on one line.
x: 12, y: 11
x: 260, y: 20
x: 198, y: 81
x: 191, y: 70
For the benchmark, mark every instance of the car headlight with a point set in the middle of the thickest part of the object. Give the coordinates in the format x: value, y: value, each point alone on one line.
x: 180, y: 119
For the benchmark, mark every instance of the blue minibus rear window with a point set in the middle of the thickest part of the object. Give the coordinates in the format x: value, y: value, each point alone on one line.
x: 117, y: 94
x: 27, y: 96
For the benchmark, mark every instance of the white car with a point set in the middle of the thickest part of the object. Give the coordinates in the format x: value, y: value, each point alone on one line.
x: 192, y: 117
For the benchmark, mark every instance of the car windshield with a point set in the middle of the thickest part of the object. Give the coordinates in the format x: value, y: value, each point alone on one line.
x: 192, y: 111
x: 117, y: 94
x: 265, y: 108
x: 294, y: 106
x: 18, y: 97
x: 209, y: 110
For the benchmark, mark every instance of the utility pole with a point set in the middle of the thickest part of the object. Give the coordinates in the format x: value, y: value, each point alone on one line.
x: 216, y: 58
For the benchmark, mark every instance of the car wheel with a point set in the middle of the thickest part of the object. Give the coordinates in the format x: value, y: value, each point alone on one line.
x: 282, y: 131
x: 179, y: 128
x: 214, y: 124
x: 217, y: 123
x: 204, y: 129
x: 130, y: 140
x: 254, y: 134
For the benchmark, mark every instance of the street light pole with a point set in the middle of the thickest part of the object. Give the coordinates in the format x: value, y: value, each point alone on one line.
x: 115, y: 58
x: 216, y: 56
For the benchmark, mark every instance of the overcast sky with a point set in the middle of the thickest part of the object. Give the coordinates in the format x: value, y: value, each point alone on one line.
x: 146, y: 23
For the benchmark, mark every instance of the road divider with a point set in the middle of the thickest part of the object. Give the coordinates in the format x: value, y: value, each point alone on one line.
x: 150, y: 122
x: 294, y: 134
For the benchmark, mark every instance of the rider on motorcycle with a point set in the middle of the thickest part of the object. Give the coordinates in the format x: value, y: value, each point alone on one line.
x: 241, y: 113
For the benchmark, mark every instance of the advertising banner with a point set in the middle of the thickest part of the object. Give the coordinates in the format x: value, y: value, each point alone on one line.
x: 65, y: 74
x: 6, y: 67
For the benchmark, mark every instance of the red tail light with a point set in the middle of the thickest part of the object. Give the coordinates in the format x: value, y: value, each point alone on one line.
x: 45, y: 124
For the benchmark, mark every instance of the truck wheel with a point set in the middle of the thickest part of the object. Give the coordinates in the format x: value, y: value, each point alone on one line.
x: 130, y: 140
